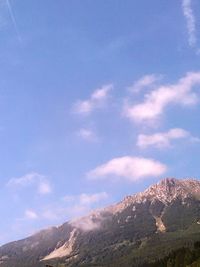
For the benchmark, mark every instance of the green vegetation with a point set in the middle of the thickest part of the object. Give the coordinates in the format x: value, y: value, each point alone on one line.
x: 177, y: 249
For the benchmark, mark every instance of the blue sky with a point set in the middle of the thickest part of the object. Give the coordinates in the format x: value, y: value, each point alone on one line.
x: 99, y: 99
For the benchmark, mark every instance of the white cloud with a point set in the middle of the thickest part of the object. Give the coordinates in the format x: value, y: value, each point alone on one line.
x: 23, y: 180
x: 190, y: 20
x: 145, y: 81
x: 130, y: 168
x: 32, y: 179
x: 87, y: 134
x: 88, y: 223
x: 73, y: 206
x: 88, y: 199
x: 30, y: 214
x: 163, y: 139
x: 96, y: 100
x: 156, y: 101
x: 44, y: 188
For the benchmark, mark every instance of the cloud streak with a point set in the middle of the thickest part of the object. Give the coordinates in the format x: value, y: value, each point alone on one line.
x: 73, y: 206
x: 155, y: 102
x: 95, y: 101
x: 164, y: 139
x: 145, y: 82
x: 86, y: 199
x: 190, y: 20
x: 32, y: 179
x: 31, y: 215
x: 87, y: 135
x: 13, y: 20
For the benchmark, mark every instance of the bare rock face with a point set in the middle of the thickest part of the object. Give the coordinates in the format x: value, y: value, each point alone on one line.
x: 164, y: 192
x: 169, y: 189
x: 169, y: 206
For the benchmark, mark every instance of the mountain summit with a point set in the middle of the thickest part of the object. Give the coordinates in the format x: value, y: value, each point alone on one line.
x: 165, y: 191
x: 171, y: 188
x: 163, y: 217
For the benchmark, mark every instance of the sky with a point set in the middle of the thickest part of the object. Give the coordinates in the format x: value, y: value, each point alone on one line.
x: 99, y: 99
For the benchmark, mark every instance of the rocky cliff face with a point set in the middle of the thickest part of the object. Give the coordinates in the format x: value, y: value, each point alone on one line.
x: 166, y: 191
x: 172, y: 206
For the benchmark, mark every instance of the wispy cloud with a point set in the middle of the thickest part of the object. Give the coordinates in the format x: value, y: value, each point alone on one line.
x: 13, y: 19
x: 92, y: 222
x: 73, y: 206
x: 44, y: 187
x: 164, y: 139
x: 129, y: 168
x: 68, y: 208
x: 87, y: 134
x: 32, y: 179
x: 191, y: 21
x: 88, y: 223
x: 30, y: 215
x: 145, y: 82
x: 157, y: 100
x: 86, y: 199
x: 96, y: 100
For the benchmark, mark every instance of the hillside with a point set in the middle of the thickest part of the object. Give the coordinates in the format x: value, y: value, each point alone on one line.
x: 147, y: 229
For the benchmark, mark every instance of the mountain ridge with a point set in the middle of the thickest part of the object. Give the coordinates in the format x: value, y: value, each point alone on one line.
x: 166, y: 184
x: 164, y: 209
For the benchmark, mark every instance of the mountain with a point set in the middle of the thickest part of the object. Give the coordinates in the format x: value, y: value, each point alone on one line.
x: 144, y: 229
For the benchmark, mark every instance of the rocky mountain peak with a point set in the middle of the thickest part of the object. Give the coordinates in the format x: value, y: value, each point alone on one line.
x: 169, y: 182
x: 170, y: 188
x: 165, y: 191
x: 167, y: 188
